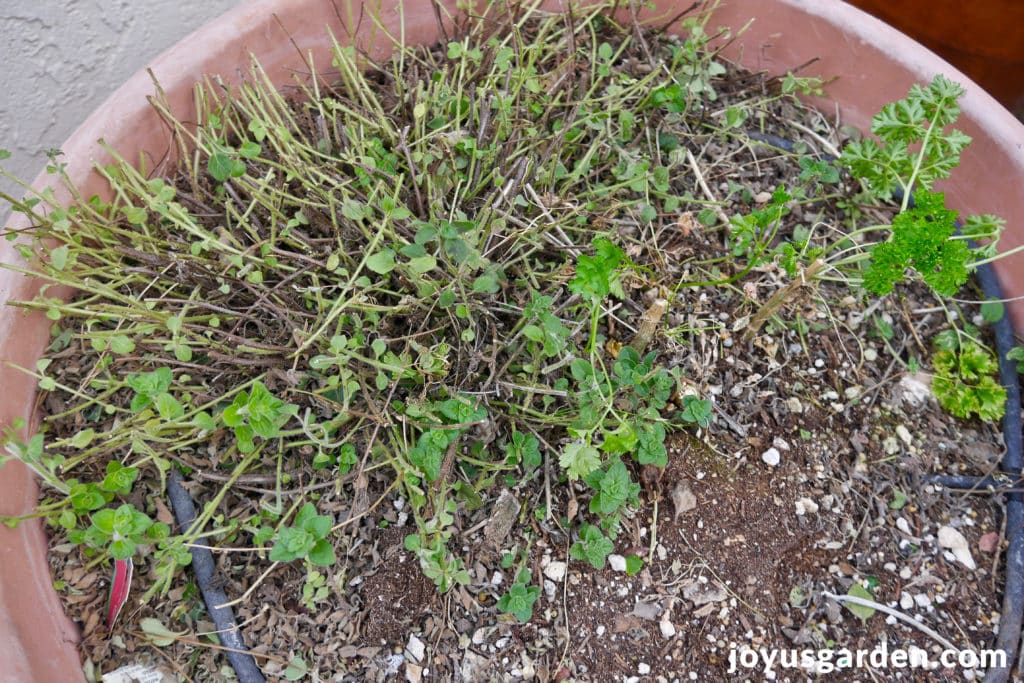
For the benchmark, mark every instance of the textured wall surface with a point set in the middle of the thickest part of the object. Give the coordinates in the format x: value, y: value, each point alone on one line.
x: 59, y: 59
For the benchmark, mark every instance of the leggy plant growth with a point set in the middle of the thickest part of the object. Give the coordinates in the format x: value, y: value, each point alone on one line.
x: 440, y: 277
x: 430, y: 285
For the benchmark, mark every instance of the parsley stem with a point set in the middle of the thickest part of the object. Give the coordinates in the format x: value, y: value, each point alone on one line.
x: 980, y: 262
x: 932, y: 125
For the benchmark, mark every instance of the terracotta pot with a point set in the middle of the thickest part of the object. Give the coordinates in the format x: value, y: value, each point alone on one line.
x: 874, y: 62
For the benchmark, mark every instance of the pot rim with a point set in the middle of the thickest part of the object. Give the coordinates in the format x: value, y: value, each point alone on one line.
x: 36, y: 638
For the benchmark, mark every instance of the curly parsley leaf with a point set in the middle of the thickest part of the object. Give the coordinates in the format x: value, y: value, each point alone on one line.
x: 984, y: 231
x: 921, y: 240
x: 914, y: 147
x: 966, y: 382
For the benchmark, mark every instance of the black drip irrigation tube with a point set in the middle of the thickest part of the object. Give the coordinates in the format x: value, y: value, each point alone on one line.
x: 993, y: 483
x: 214, y: 596
x: 1012, y: 614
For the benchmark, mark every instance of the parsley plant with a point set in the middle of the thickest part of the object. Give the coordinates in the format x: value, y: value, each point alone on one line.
x: 916, y: 148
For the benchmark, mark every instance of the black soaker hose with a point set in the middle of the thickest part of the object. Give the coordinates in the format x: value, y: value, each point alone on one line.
x: 203, y: 566
x: 1012, y: 614
x: 974, y: 484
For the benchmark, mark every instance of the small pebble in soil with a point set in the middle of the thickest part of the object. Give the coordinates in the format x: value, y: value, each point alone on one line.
x: 806, y: 506
x: 912, y: 390
x: 643, y: 668
x: 529, y: 670
x: 617, y: 562
x: 780, y: 443
x: 415, y: 649
x: 668, y: 629
x: 393, y: 664
x: 953, y: 540
x: 904, y: 434
x: 683, y: 499
x: 555, y: 571
x: 907, y: 601
x: 989, y: 543
x: 771, y: 457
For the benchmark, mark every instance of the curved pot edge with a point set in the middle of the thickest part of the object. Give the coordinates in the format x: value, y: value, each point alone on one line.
x: 878, y: 65
x: 35, y: 656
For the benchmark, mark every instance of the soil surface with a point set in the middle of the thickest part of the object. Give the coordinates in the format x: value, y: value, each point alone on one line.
x: 806, y: 482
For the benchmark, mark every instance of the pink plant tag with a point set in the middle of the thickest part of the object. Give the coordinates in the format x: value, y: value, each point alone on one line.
x: 120, y: 586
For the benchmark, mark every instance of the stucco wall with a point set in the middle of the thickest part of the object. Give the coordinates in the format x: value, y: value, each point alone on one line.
x: 59, y: 59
